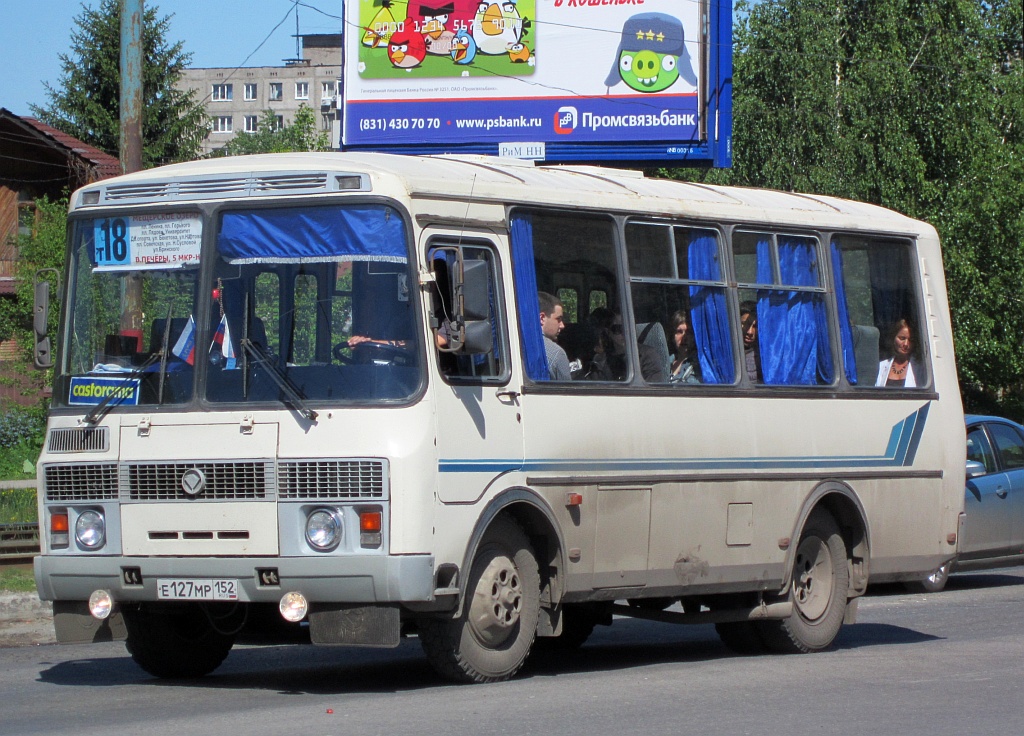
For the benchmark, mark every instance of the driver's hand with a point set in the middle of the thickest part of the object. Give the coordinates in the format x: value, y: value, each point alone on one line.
x: 358, y: 340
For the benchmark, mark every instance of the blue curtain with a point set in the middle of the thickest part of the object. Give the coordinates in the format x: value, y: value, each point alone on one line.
x: 709, y: 313
x: 313, y: 234
x: 523, y: 270
x: 792, y: 325
x: 845, y: 328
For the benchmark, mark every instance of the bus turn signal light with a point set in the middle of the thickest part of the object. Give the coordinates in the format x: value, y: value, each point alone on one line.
x: 59, y: 529
x: 369, y: 528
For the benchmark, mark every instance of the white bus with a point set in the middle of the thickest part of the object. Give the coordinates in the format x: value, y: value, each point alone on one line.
x: 323, y: 397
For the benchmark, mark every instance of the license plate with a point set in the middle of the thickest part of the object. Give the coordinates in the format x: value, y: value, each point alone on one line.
x: 189, y: 589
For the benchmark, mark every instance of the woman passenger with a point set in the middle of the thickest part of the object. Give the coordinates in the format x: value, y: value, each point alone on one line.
x: 898, y: 370
x: 685, y: 367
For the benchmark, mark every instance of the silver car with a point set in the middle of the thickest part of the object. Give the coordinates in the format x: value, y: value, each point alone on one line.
x: 993, y: 531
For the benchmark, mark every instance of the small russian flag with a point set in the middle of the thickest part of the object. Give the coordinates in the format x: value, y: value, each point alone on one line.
x: 185, y: 348
x: 222, y: 337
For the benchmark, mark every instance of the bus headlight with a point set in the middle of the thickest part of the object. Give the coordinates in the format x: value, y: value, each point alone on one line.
x: 323, y: 529
x: 90, y: 530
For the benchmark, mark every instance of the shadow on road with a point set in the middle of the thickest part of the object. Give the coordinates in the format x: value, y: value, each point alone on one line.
x: 286, y: 670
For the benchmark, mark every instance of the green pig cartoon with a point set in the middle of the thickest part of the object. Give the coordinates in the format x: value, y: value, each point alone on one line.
x: 652, y: 54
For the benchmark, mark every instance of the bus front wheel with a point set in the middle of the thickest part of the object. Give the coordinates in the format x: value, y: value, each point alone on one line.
x: 821, y: 581
x: 492, y: 637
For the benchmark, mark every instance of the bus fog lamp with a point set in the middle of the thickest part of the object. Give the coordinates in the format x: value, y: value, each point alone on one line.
x: 323, y: 529
x: 293, y: 606
x: 90, y: 530
x: 100, y: 604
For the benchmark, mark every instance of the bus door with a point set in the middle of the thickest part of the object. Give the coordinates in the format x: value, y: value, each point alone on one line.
x: 479, y: 419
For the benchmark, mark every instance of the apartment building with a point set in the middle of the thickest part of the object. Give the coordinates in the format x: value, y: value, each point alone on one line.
x: 236, y: 99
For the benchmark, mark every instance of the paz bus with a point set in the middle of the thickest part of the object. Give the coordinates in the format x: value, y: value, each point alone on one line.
x: 309, y: 398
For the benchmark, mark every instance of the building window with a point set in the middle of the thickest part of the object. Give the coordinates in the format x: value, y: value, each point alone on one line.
x: 302, y: 90
x: 278, y: 122
x: 252, y: 123
x: 222, y: 124
x: 250, y: 90
x: 222, y: 92
x: 326, y: 90
x: 276, y: 92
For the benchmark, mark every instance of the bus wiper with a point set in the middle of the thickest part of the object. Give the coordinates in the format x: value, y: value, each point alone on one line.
x: 107, y: 404
x: 287, y: 386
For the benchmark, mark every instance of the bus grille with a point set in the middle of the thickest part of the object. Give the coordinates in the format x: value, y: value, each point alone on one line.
x: 78, y: 440
x: 228, y: 185
x: 224, y: 480
x: 85, y: 482
x: 325, y: 479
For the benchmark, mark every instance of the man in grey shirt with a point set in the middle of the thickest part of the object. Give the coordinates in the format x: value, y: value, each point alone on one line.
x: 551, y: 323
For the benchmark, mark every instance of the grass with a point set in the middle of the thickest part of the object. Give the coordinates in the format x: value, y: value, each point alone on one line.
x: 17, y: 580
x: 18, y: 506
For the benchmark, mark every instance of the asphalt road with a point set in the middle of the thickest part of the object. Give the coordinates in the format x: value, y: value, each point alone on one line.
x: 947, y: 663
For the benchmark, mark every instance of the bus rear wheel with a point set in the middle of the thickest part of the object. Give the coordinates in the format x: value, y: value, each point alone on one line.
x: 821, y: 581
x: 175, y: 643
x: 492, y: 637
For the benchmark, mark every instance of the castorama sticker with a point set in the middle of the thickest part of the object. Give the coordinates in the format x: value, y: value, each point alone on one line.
x: 617, y: 78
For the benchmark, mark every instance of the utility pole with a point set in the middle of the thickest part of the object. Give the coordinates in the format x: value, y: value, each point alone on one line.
x: 131, y: 147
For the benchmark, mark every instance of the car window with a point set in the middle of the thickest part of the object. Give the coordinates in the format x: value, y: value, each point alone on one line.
x: 1010, y: 444
x: 979, y: 449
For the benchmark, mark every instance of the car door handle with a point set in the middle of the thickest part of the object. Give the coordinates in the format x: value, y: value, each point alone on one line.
x: 1001, y: 492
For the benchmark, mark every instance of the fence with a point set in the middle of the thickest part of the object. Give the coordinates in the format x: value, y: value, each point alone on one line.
x: 19, y: 540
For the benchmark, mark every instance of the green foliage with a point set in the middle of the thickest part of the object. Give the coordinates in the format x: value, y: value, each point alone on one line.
x: 301, y: 135
x: 18, y: 506
x: 914, y: 105
x: 85, y: 102
x: 17, y: 580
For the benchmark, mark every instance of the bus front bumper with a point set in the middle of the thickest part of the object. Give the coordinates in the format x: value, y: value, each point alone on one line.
x: 355, y: 579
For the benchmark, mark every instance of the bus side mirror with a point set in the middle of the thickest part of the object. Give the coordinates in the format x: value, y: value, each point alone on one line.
x: 42, y: 356
x: 476, y: 307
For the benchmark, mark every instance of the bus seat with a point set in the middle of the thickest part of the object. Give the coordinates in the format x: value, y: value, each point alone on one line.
x: 865, y: 352
x: 653, y: 334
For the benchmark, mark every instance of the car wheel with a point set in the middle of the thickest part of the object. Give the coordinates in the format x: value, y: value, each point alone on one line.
x: 933, y: 583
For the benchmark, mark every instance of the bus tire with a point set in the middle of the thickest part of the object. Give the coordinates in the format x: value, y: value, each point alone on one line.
x: 492, y: 637
x: 175, y: 644
x: 821, y: 581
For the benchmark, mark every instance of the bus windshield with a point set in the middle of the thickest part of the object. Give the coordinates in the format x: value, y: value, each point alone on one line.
x: 306, y: 304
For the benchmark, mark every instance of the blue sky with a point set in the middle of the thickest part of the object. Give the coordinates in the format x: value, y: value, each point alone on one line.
x: 218, y: 33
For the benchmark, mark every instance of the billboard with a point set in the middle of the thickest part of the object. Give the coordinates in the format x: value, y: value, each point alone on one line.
x: 553, y: 80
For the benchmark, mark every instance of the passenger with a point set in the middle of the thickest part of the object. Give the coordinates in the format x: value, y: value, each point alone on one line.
x: 685, y: 367
x: 551, y: 323
x: 898, y: 370
x: 610, y: 358
x: 751, y: 352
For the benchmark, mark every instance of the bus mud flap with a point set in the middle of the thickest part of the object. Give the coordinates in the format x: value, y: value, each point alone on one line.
x: 340, y: 624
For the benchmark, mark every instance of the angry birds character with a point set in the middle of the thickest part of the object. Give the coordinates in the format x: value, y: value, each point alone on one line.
x: 381, y: 27
x: 406, y: 50
x: 518, y: 53
x: 652, y: 54
x: 497, y: 26
x: 463, y: 48
x: 436, y: 37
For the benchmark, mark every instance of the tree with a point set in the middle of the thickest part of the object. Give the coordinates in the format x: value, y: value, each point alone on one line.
x: 86, y: 100
x: 917, y: 105
x: 270, y: 137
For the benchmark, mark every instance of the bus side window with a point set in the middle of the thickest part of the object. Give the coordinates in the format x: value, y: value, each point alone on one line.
x: 680, y: 304
x: 549, y: 250
x: 876, y: 298
x: 784, y: 320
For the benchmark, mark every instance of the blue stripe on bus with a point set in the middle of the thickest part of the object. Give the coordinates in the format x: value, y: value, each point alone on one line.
x: 900, y: 451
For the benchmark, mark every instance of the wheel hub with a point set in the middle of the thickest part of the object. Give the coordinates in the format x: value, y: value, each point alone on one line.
x: 497, y: 602
x: 812, y: 578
